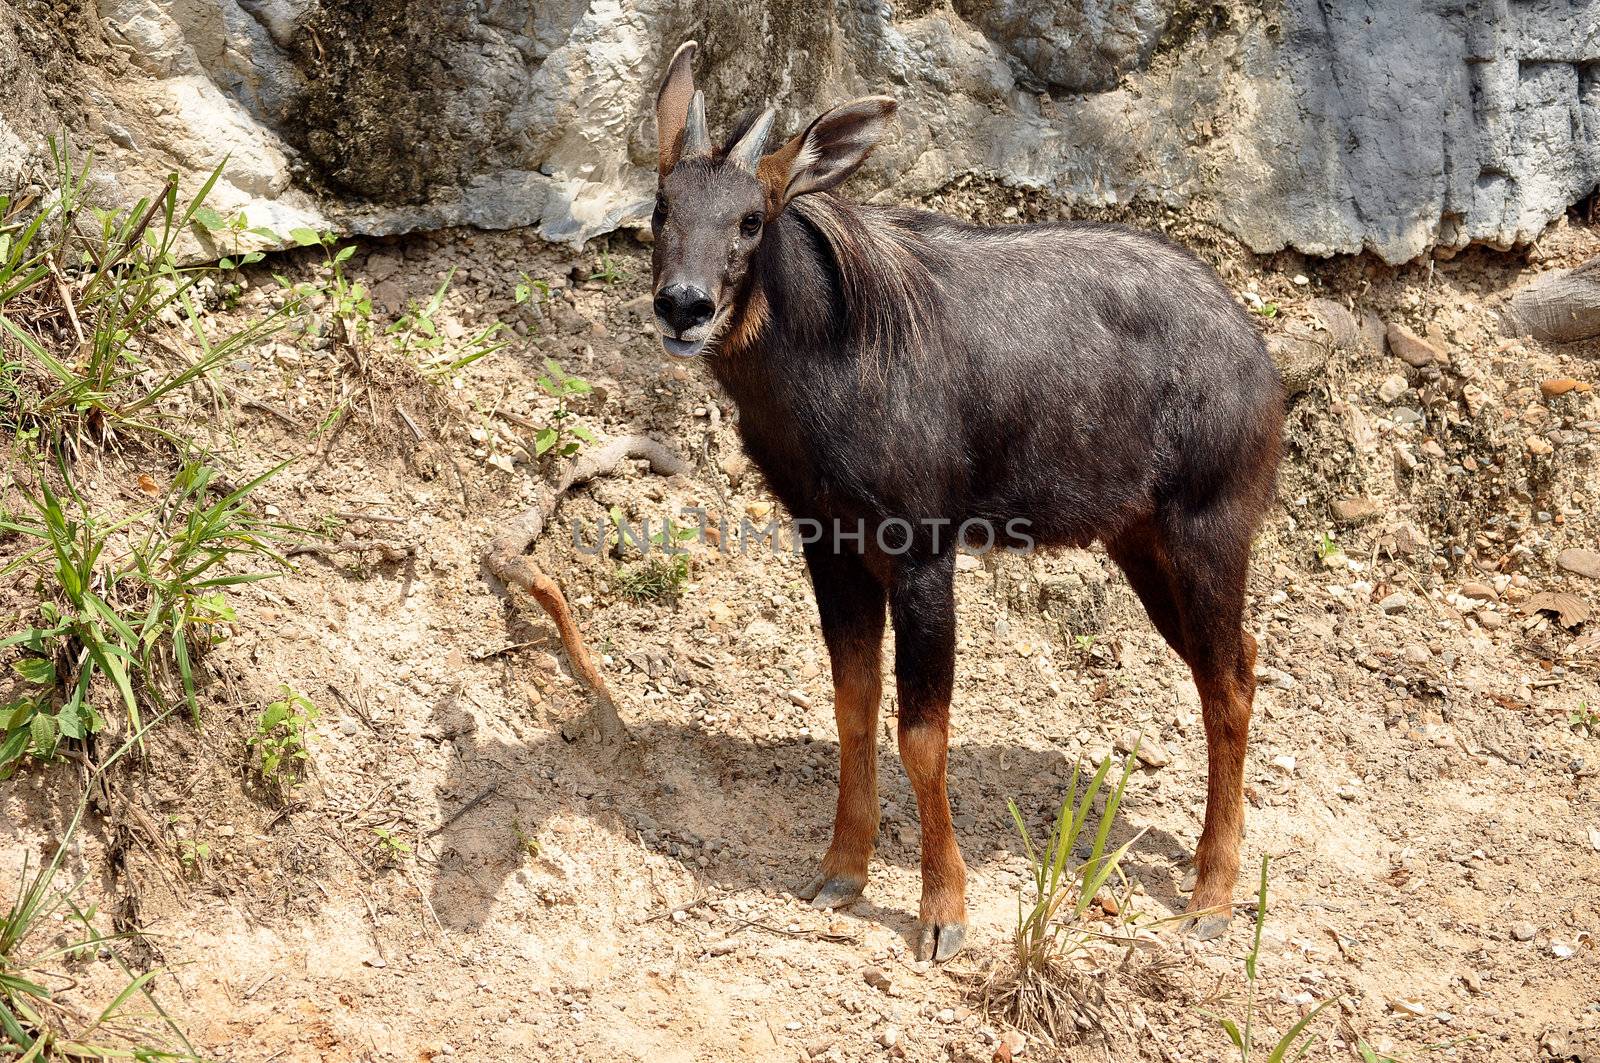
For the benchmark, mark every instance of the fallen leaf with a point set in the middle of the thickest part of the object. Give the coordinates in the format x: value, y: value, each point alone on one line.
x: 1570, y: 610
x: 148, y: 485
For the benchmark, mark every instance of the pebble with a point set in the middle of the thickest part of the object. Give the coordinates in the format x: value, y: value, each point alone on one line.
x: 890, y: 1036
x: 1417, y: 654
x: 1560, y: 386
x: 1580, y: 562
x: 1395, y: 603
x: 1015, y: 1042
x: 1356, y: 510
x: 1392, y: 388
x: 876, y: 978
x: 1284, y: 763
x: 1480, y: 592
x: 1411, y: 348
x: 1523, y: 931
x: 1151, y: 753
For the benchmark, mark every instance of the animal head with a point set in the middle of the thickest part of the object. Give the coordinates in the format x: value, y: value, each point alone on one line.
x: 714, y: 205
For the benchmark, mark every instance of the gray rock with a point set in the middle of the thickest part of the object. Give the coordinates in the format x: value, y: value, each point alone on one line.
x: 1396, y: 128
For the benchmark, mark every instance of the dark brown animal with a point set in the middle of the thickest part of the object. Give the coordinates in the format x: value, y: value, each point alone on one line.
x: 905, y: 380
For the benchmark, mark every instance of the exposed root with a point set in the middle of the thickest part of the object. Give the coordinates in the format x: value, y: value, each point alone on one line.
x: 506, y: 558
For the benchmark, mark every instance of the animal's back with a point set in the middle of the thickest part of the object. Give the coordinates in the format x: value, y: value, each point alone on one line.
x: 1109, y: 346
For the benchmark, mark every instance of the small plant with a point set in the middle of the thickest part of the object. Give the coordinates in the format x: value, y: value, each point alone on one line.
x: 1329, y: 552
x: 1372, y: 1055
x: 194, y: 856
x: 1242, y: 1034
x: 528, y: 287
x: 416, y: 334
x: 283, y: 736
x: 1038, y: 990
x: 661, y: 576
x: 608, y: 272
x: 1584, y: 719
x: 100, y: 312
x: 136, y: 618
x: 391, y: 847
x: 349, y: 304
x: 562, y: 434
x: 36, y: 1026
x: 1267, y: 310
x: 526, y: 841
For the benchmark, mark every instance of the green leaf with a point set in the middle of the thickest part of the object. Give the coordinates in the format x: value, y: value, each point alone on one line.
x: 37, y: 670
x: 209, y: 219
x: 70, y: 722
x: 344, y: 254
x: 43, y: 730
x: 543, y: 440
x: 305, y: 237
x: 1289, y: 1039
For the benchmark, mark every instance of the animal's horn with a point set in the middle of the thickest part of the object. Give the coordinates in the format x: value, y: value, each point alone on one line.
x: 696, y: 141
x: 747, y: 153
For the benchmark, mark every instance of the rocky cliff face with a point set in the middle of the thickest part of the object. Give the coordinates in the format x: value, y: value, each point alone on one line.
x: 1367, y: 124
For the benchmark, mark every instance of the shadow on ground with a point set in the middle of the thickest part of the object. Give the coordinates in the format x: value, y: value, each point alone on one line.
x: 765, y: 809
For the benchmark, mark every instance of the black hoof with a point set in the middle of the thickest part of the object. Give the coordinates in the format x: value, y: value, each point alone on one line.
x: 939, y: 942
x: 836, y: 892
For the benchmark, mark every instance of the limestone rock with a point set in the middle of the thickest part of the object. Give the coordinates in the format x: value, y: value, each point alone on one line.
x: 1329, y: 128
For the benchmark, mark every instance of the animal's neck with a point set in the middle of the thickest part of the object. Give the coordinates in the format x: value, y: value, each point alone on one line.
x: 791, y: 309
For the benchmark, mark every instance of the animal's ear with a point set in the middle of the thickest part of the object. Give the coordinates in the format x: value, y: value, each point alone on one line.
x: 672, y: 105
x: 829, y: 150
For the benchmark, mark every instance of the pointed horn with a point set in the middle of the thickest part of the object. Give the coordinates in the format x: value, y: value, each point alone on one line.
x: 747, y: 153
x: 696, y: 140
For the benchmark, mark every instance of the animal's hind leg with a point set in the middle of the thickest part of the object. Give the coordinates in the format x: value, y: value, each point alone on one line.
x: 1208, y: 558
x: 1138, y: 553
x: 851, y: 605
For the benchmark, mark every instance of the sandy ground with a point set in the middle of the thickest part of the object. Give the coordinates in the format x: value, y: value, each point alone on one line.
x: 1414, y: 773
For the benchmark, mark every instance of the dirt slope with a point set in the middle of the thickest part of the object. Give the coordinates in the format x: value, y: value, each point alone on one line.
x: 1413, y: 773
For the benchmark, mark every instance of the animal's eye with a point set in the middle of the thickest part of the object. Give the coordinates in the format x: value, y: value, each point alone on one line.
x: 751, y: 223
x: 661, y: 207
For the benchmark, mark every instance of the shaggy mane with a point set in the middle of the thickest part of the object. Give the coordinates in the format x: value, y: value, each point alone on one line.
x: 891, y: 298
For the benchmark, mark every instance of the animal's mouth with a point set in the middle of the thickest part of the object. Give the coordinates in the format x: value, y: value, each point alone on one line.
x: 682, y: 348
x: 691, y: 343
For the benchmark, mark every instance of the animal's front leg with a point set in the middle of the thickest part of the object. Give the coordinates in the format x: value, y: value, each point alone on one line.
x: 851, y: 604
x: 922, y: 602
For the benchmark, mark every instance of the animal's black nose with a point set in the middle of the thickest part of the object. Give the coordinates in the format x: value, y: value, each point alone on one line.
x: 683, y: 306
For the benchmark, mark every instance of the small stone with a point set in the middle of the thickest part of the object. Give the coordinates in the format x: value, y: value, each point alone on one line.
x: 1523, y: 931
x: 759, y: 509
x: 1151, y: 754
x: 734, y: 467
x: 876, y: 978
x: 1560, y: 385
x: 1411, y: 1009
x: 799, y: 698
x: 1490, y: 619
x: 1356, y: 510
x: 968, y: 563
x: 1284, y: 764
x: 1478, y: 592
x: 1395, y: 603
x: 1411, y: 348
x: 1417, y: 654
x: 890, y: 1036
x: 946, y: 1016
x: 1392, y: 388
x: 1014, y: 1042
x: 1581, y: 562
